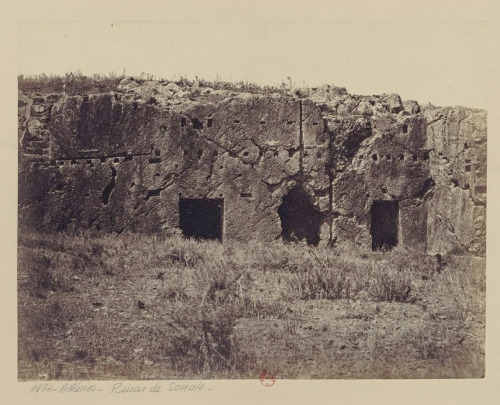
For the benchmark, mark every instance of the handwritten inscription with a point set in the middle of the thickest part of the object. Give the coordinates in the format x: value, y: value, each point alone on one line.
x: 116, y: 388
x: 63, y: 389
x: 186, y: 387
x: 121, y: 388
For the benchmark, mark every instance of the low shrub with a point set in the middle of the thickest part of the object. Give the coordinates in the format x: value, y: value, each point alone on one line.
x: 201, y: 340
x: 340, y: 278
x: 389, y: 284
x: 260, y: 309
x: 323, y: 283
x: 41, y: 273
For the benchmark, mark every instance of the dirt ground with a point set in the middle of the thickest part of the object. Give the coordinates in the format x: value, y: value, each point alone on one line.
x: 136, y: 308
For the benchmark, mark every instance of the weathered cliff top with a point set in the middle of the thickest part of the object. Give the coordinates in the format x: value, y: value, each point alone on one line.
x: 183, y: 93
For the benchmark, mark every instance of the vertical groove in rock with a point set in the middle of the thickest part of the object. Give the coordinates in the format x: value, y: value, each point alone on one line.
x: 301, y: 139
x: 106, y: 193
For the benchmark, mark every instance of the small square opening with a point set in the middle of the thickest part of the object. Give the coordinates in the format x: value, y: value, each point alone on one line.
x: 197, y: 124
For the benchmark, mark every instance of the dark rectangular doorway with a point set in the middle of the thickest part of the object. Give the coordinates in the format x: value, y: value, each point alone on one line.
x: 201, y: 218
x: 384, y: 226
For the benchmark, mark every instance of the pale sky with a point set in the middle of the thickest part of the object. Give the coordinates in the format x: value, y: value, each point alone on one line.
x: 444, y: 63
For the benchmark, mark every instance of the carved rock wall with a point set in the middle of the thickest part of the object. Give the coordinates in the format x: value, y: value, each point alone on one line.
x: 122, y: 161
x: 457, y: 209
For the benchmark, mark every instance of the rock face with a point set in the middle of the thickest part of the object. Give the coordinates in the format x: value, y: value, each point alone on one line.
x: 318, y: 165
x: 457, y: 210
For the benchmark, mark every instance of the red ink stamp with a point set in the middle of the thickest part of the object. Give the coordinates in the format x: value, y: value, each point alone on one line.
x: 266, y: 379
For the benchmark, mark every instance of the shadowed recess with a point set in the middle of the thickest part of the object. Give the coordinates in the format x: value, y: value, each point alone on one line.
x: 384, y: 223
x: 201, y: 218
x: 110, y: 187
x: 299, y: 218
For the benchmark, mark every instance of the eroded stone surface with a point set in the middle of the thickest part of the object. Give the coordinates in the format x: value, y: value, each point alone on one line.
x: 457, y: 210
x: 123, y: 160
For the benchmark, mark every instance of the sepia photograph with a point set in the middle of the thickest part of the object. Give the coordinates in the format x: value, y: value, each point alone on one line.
x: 208, y: 200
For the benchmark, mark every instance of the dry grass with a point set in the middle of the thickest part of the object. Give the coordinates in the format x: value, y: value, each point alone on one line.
x: 137, y: 306
x: 71, y: 83
x: 76, y: 83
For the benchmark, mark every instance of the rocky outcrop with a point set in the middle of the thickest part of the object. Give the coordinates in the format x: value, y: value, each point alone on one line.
x: 456, y: 138
x: 301, y: 164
